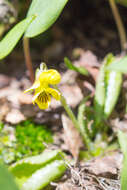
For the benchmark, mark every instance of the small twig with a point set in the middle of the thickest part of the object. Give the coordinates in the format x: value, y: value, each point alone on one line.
x: 111, y: 185
x: 28, y: 58
x: 119, y: 23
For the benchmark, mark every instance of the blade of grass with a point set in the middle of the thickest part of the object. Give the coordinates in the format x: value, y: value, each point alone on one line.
x: 70, y: 66
x: 123, y: 144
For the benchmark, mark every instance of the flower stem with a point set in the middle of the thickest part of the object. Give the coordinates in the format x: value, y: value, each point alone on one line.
x: 79, y: 127
x: 28, y: 58
x: 119, y: 23
x: 69, y: 112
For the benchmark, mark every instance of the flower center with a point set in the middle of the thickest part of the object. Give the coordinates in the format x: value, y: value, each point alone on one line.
x: 43, y: 97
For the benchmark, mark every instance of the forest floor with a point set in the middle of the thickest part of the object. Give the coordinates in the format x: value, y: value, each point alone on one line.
x: 85, y: 36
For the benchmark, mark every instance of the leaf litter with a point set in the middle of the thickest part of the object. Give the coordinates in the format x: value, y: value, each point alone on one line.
x: 99, y: 173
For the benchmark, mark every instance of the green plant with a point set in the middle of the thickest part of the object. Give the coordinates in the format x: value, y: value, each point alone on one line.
x: 6, y: 179
x: 41, y: 15
x: 36, y: 172
x: 30, y: 138
x: 119, y: 65
x: 29, y: 141
x: 107, y: 91
x: 70, y: 66
x: 1, y: 126
x: 122, y: 2
x: 33, y: 173
x: 123, y: 145
x: 108, y: 87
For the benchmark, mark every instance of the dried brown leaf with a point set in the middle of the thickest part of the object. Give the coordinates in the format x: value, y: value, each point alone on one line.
x: 14, y: 116
x: 4, y: 81
x: 87, y: 58
x: 4, y: 108
x: 106, y: 166
x: 71, y: 136
x: 25, y: 98
x: 72, y: 93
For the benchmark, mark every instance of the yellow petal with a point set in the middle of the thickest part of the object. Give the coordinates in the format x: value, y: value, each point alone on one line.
x: 42, y: 99
x: 50, y: 76
x: 37, y: 73
x: 35, y: 85
x: 35, y: 97
x: 54, y: 93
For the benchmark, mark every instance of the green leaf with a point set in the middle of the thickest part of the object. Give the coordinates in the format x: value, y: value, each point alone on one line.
x: 123, y: 144
x: 99, y: 98
x: 42, y: 177
x: 13, y: 36
x: 113, y: 82
x: 29, y: 165
x: 122, y: 2
x: 83, y: 125
x: 70, y: 66
x: 35, y: 172
x: 122, y: 137
x: 24, y: 169
x: 112, y: 91
x: 119, y: 65
x: 108, y: 88
x: 47, y: 11
x: 6, y: 180
x: 124, y: 174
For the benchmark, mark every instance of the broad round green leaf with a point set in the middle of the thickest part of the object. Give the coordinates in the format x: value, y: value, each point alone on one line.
x: 46, y: 11
x: 13, y: 36
x: 119, y: 65
x: 6, y: 180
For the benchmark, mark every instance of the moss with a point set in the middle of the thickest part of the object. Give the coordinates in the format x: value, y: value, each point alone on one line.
x: 30, y: 137
x: 29, y: 141
x: 1, y: 126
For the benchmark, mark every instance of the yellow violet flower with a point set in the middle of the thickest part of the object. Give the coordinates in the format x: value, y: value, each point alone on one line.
x: 43, y: 92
